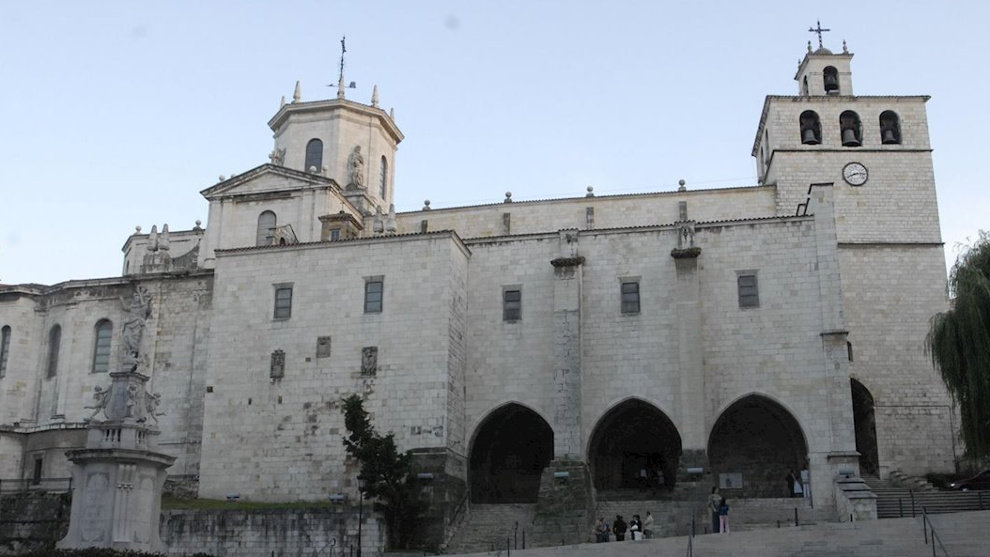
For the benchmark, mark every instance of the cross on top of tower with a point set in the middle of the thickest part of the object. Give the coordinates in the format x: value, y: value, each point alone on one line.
x: 343, y: 50
x: 818, y: 30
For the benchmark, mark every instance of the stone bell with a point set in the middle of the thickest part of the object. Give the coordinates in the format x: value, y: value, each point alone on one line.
x: 808, y: 137
x: 889, y: 137
x: 849, y: 138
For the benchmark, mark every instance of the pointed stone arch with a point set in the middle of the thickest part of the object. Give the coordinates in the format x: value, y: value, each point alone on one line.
x: 631, y: 437
x: 509, y: 450
x: 758, y: 438
x: 865, y: 427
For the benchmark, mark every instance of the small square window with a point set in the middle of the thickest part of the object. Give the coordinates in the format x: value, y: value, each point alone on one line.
x: 749, y: 293
x: 511, y: 305
x: 630, y: 296
x: 283, y: 302
x: 334, y: 234
x: 373, y: 290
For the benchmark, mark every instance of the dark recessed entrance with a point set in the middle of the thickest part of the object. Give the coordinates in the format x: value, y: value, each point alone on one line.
x: 512, y: 447
x: 634, y: 446
x: 864, y: 422
x: 758, y: 441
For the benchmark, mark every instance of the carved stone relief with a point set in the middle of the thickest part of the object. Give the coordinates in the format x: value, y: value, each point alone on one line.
x: 278, y: 364
x: 369, y: 360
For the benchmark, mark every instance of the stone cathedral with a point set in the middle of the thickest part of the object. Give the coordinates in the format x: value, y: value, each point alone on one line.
x: 731, y: 335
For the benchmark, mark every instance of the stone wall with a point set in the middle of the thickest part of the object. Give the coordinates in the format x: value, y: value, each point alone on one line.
x: 263, y: 533
x: 612, y: 211
x: 280, y: 437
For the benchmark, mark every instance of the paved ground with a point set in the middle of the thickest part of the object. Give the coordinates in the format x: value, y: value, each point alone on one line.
x: 963, y: 535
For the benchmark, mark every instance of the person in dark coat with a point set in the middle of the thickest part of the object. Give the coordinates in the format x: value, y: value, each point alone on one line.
x: 619, y: 528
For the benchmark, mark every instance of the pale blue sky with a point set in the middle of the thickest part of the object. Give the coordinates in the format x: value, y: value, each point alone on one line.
x: 119, y: 113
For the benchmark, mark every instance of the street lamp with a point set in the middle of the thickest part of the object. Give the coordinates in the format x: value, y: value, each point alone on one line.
x: 360, y: 512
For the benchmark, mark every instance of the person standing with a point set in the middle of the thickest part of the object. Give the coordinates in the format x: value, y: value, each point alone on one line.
x: 714, y: 502
x: 723, y: 516
x: 619, y: 528
x: 635, y: 528
x: 648, y: 526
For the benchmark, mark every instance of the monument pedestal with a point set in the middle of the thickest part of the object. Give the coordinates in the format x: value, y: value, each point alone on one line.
x: 118, y: 478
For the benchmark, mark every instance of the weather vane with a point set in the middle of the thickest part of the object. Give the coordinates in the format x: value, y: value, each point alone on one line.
x: 818, y: 30
x: 343, y: 49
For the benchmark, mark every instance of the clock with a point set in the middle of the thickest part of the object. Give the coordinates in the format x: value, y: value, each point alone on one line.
x: 855, y: 174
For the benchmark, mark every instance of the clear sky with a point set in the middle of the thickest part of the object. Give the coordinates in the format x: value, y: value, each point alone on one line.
x: 118, y: 113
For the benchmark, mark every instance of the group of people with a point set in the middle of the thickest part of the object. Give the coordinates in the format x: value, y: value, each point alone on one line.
x: 637, y: 529
x: 719, y: 508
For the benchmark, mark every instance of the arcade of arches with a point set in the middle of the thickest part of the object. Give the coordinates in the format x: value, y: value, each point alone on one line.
x: 634, y: 445
x: 758, y: 438
x: 512, y: 447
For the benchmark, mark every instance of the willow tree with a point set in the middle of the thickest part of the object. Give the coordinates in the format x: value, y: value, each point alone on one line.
x: 959, y: 345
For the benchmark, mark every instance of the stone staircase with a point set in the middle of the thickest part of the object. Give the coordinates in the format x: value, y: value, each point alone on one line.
x: 961, y: 535
x: 896, y: 500
x: 485, y: 527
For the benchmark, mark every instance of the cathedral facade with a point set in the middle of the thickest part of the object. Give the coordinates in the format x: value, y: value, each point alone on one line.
x: 740, y: 332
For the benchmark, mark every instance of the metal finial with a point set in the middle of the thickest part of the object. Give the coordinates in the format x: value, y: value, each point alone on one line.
x: 818, y: 30
x: 681, y: 185
x: 809, y: 46
x: 845, y: 49
x: 343, y: 49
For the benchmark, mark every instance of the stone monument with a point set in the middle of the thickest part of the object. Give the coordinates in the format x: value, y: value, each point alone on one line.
x: 119, y: 476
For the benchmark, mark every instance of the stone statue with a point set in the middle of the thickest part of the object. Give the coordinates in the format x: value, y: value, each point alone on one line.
x: 355, y: 166
x: 153, y: 238
x: 369, y: 360
x: 277, y: 156
x: 138, y: 311
x: 151, y: 402
x: 102, y: 399
x: 163, y: 239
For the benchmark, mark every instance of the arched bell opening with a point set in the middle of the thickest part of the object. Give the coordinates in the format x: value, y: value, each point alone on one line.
x: 511, y: 448
x: 811, y: 128
x: 755, y: 444
x: 890, y: 128
x: 851, y: 129
x: 831, y: 78
x: 865, y: 425
x: 634, y: 446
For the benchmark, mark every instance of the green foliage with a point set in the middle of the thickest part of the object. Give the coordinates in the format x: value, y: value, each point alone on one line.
x: 385, y: 472
x: 959, y: 345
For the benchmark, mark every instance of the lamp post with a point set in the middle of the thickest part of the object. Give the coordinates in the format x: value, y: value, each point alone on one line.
x: 360, y: 512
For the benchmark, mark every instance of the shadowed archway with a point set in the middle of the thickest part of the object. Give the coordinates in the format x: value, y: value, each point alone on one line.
x: 511, y: 448
x: 865, y: 425
x: 757, y: 441
x: 632, y: 439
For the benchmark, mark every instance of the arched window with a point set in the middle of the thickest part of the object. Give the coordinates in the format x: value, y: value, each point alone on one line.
x: 831, y: 77
x: 383, y: 178
x: 804, y: 86
x: 266, y: 224
x: 890, y: 128
x: 314, y: 156
x: 54, y: 343
x: 4, y: 349
x: 811, y: 128
x: 101, y: 347
x: 851, y: 129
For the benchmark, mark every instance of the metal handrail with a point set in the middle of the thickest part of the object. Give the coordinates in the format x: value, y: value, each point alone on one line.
x: 927, y: 526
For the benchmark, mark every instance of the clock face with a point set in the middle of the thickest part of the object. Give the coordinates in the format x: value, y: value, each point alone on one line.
x: 855, y: 174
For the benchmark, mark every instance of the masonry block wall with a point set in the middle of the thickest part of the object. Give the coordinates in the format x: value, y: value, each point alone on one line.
x: 280, y: 437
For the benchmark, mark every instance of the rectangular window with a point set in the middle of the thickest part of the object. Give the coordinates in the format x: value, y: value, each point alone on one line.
x: 54, y: 343
x: 101, y: 349
x: 630, y: 296
x: 511, y: 305
x: 334, y: 234
x: 373, y: 291
x: 39, y: 466
x: 749, y: 293
x: 283, y: 302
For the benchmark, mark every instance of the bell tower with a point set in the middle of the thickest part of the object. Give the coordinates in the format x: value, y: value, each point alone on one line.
x: 874, y: 154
